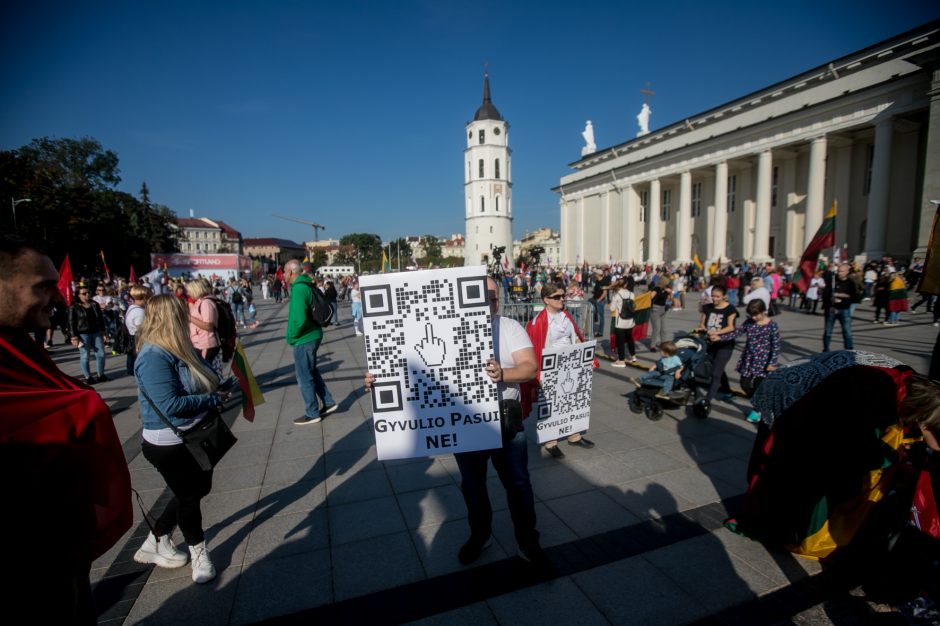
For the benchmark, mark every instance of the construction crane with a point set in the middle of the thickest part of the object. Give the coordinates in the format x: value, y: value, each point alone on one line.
x: 316, y: 227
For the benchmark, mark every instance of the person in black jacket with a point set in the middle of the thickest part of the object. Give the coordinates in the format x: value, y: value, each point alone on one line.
x: 331, y: 296
x: 86, y: 325
x: 838, y: 296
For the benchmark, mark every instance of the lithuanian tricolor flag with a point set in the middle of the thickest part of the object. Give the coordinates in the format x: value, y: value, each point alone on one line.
x: 825, y: 238
x: 897, y: 295
x: 817, y: 475
x: 641, y: 315
x: 930, y: 278
x: 251, y: 392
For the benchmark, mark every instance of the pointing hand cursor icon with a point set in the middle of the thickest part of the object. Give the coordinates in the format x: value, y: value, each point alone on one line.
x: 432, y: 349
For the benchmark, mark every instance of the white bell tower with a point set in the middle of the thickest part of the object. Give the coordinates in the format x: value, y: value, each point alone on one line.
x: 487, y: 185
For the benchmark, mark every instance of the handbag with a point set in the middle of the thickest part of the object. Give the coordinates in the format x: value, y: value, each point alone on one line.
x: 207, y: 441
x: 510, y: 417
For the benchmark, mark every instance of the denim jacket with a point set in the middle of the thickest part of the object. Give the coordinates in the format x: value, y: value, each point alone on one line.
x: 169, y: 383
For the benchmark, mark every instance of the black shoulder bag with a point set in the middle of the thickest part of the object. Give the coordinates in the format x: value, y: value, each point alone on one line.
x: 207, y: 441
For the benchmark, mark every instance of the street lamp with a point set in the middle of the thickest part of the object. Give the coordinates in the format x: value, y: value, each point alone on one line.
x: 13, y: 204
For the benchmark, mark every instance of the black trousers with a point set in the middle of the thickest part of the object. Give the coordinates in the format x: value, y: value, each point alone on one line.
x: 750, y: 385
x: 624, y: 339
x: 189, y: 484
x: 720, y: 358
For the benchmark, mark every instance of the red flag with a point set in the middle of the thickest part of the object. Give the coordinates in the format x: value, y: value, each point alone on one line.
x: 825, y: 238
x: 60, y: 434
x: 65, y: 281
x: 132, y: 276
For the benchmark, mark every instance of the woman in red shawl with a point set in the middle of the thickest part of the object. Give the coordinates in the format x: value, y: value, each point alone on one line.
x: 553, y: 326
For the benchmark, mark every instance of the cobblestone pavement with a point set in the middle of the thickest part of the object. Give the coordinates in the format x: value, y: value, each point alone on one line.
x: 306, y: 526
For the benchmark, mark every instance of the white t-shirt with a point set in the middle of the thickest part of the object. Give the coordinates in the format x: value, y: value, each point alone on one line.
x: 616, y: 303
x: 560, y: 330
x: 134, y: 318
x: 508, y: 337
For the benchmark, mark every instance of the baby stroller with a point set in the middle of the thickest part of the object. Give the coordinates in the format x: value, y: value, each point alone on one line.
x: 695, y: 378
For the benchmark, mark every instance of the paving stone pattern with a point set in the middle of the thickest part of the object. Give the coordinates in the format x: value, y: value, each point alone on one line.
x: 306, y: 526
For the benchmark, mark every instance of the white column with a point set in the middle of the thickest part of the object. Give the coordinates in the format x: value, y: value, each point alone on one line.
x: 684, y: 219
x: 629, y: 236
x: 878, y: 193
x: 762, y: 212
x: 582, y: 223
x: 653, y: 244
x: 605, y: 233
x: 815, y: 189
x: 720, y: 227
x: 565, y: 235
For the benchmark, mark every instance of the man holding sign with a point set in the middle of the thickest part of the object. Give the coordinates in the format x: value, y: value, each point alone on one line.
x: 514, y: 363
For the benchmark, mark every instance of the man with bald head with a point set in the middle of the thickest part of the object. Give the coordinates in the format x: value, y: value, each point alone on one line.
x: 838, y: 296
x: 304, y: 336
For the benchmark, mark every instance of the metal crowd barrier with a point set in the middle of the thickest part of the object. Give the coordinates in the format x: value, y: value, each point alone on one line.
x: 581, y: 310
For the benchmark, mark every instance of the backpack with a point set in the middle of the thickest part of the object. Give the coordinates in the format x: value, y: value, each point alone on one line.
x: 225, y: 328
x: 627, y: 309
x: 122, y: 341
x: 321, y: 312
x: 237, y: 295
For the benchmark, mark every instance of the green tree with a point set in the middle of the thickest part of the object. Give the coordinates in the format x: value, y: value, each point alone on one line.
x: 75, y: 209
x: 320, y: 257
x: 366, y: 253
x: 400, y: 248
x: 432, y: 249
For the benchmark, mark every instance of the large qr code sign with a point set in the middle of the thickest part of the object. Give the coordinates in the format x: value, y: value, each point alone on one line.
x: 566, y: 377
x: 428, y: 337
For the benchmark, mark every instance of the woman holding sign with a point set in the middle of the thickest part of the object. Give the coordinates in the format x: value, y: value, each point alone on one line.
x: 554, y: 326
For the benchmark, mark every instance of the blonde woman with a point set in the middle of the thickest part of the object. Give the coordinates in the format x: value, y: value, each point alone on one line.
x: 176, y: 382
x: 203, y: 318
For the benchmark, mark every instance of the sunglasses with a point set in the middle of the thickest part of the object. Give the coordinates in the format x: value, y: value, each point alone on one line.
x: 83, y: 293
x: 555, y: 297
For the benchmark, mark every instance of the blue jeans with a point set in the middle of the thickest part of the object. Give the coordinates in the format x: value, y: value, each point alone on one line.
x: 732, y: 297
x: 600, y: 312
x: 91, y: 341
x: 335, y: 307
x: 238, y: 312
x: 845, y: 319
x: 309, y: 379
x: 658, y: 379
x: 511, y: 464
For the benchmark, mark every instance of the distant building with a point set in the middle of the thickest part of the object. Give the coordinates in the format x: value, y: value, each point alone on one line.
x: 330, y: 246
x: 200, y: 235
x: 280, y: 250
x: 754, y: 178
x: 453, y: 248
x: 545, y: 237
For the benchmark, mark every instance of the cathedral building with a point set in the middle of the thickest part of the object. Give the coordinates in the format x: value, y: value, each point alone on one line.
x: 753, y: 178
x: 487, y: 185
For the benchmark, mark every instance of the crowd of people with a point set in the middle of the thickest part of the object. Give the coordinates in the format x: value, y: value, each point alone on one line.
x: 177, y: 350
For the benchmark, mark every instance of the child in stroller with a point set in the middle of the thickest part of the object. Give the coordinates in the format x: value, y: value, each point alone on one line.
x: 652, y: 395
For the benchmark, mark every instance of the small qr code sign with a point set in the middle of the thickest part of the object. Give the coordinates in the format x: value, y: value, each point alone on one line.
x: 428, y: 336
x: 566, y: 377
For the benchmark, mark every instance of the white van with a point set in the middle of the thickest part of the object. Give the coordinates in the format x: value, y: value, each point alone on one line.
x: 336, y: 270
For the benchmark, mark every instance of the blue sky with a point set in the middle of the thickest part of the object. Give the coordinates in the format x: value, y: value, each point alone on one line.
x: 352, y: 113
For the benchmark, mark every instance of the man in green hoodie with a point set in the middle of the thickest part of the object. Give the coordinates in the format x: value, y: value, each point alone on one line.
x: 304, y: 336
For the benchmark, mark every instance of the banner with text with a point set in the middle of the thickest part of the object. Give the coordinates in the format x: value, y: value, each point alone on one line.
x: 428, y: 337
x: 566, y: 377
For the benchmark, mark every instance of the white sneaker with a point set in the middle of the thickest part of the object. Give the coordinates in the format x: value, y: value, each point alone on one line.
x: 160, y: 552
x: 203, y: 570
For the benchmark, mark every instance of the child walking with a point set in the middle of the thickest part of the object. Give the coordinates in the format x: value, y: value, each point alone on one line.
x: 761, y: 352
